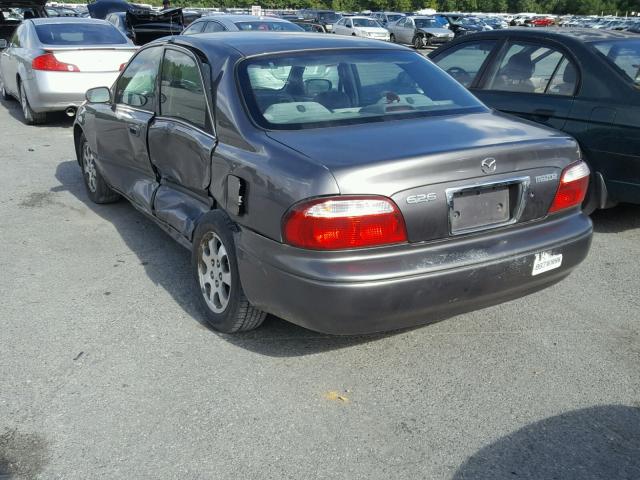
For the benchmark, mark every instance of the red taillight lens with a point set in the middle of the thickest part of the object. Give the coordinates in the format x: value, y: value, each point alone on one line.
x: 573, y: 187
x: 344, y: 222
x: 122, y: 65
x: 50, y: 63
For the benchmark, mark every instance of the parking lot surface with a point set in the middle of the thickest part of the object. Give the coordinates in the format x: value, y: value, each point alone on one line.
x: 107, y: 369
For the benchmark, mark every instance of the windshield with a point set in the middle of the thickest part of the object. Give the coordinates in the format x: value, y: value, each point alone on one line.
x: 624, y: 54
x: 79, y: 34
x: 426, y: 23
x: 318, y: 89
x: 329, y: 17
x: 266, y: 26
x: 365, y: 22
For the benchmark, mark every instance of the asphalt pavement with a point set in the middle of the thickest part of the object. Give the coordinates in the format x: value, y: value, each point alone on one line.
x: 107, y: 371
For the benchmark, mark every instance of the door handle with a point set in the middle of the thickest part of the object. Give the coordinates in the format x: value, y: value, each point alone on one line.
x: 134, y: 130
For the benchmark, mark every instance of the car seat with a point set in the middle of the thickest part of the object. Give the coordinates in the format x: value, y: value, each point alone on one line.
x: 516, y: 74
x: 569, y: 79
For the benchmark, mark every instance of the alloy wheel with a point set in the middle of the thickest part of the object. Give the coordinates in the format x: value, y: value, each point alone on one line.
x: 214, y: 272
x: 26, y: 110
x: 89, y: 166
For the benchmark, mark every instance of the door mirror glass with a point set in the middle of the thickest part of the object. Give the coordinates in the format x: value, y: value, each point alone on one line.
x: 98, y: 95
x: 3, y: 43
x: 347, y: 25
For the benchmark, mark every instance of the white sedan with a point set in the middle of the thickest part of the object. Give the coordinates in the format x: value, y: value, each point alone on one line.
x: 50, y: 63
x: 361, y: 27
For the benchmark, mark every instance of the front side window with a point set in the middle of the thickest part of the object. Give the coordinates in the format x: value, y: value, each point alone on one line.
x: 625, y: 55
x: 463, y: 62
x: 317, y: 89
x: 529, y: 68
x: 426, y: 23
x: 181, y: 90
x: 136, y: 86
x: 79, y: 34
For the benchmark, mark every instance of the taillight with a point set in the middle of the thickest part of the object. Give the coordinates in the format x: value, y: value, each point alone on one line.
x: 573, y: 187
x: 122, y: 65
x: 344, y: 222
x: 49, y: 62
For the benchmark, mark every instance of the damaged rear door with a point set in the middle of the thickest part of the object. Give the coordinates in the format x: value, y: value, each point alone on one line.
x: 181, y: 141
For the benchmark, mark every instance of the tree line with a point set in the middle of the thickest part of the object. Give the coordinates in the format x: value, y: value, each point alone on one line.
x: 558, y: 7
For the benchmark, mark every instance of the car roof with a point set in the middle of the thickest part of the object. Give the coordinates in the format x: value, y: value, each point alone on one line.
x: 50, y: 20
x: 255, y: 43
x: 240, y: 18
x: 585, y: 35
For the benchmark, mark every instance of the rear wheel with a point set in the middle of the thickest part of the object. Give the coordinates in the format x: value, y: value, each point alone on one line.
x: 215, y: 271
x: 30, y: 117
x: 97, y: 188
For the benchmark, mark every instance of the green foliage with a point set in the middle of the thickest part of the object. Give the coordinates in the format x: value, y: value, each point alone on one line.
x: 582, y: 7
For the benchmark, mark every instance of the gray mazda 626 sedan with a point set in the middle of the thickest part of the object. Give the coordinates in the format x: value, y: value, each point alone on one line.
x: 343, y: 184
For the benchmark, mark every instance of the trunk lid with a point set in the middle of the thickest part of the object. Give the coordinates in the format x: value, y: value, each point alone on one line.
x: 98, y: 59
x: 421, y: 163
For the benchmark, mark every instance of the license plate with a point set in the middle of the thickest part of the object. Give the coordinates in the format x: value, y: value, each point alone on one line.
x: 546, y: 261
x: 479, y: 208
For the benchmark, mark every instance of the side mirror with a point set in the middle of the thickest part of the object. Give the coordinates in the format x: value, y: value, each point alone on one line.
x: 347, y: 25
x: 98, y: 95
x: 3, y: 43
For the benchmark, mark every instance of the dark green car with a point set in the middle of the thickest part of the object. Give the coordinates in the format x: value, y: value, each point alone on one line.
x: 584, y: 82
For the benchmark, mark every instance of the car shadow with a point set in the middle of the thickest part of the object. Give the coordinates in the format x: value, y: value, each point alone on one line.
x: 601, y: 442
x: 617, y: 219
x: 171, y: 271
x: 54, y: 119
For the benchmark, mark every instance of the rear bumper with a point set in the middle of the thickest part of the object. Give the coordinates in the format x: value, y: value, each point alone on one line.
x: 55, y: 91
x: 396, y: 287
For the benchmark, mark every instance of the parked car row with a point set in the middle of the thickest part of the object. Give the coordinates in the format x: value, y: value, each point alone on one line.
x: 445, y: 206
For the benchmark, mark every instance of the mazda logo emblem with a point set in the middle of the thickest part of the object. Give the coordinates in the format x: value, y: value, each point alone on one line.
x: 488, y: 165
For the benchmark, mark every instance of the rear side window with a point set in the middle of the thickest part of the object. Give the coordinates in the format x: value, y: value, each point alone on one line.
x: 136, y: 86
x: 79, y: 34
x: 194, y: 28
x: 213, y: 27
x: 463, y: 62
x: 529, y: 68
x: 181, y: 90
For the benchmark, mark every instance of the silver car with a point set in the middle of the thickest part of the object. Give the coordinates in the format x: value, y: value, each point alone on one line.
x: 419, y: 32
x: 50, y: 63
x: 240, y: 23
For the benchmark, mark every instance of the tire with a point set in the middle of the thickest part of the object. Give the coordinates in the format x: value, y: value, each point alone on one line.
x: 3, y: 93
x: 417, y: 42
x: 97, y: 189
x: 216, y: 277
x: 392, y: 38
x: 30, y: 117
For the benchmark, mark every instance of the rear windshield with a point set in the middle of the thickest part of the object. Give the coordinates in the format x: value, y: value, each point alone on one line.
x: 319, y: 89
x: 266, y: 26
x: 624, y: 54
x: 79, y: 34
